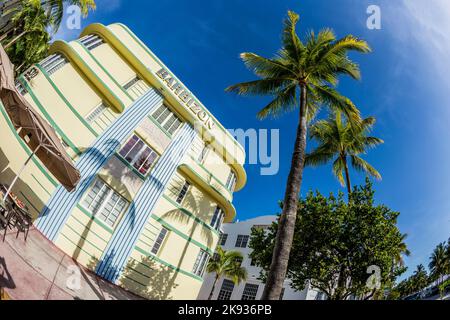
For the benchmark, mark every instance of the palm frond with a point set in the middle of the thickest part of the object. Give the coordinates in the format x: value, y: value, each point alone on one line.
x: 264, y: 67
x: 363, y: 166
x: 335, y: 101
x: 291, y: 41
x: 284, y: 101
x: 268, y: 86
x: 318, y: 157
x: 338, y: 169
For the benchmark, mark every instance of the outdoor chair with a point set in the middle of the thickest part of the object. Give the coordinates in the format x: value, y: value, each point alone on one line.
x: 23, y: 222
x: 7, y: 217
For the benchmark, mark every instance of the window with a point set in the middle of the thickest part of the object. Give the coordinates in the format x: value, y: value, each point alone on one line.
x: 252, y: 263
x: 223, y: 239
x: 183, y: 192
x: 104, y: 202
x: 159, y: 241
x: 167, y: 119
x: 241, y: 241
x: 203, y: 154
x: 226, y: 291
x: 53, y: 63
x: 217, y: 219
x: 97, y: 112
x: 250, y: 291
x: 21, y: 88
x: 200, y: 263
x: 131, y: 83
x: 215, y: 256
x: 231, y: 181
x: 137, y: 153
x: 92, y: 41
x: 239, y: 261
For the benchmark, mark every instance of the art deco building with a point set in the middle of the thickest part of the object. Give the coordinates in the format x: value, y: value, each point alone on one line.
x: 158, y: 169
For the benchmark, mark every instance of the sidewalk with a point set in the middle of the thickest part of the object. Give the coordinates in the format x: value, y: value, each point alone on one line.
x: 37, y: 270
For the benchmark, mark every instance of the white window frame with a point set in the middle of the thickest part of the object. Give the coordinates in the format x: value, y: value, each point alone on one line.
x: 136, y: 157
x: 217, y: 218
x: 241, y: 239
x: 159, y: 242
x: 226, y: 290
x: 53, y: 63
x: 96, y: 112
x: 164, y: 116
x: 92, y: 41
x: 131, y: 83
x: 249, y: 292
x: 183, y: 192
x: 223, y: 239
x: 231, y: 181
x: 200, y: 263
x: 110, y: 193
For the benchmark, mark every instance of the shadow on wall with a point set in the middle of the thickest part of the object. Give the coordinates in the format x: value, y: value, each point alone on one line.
x: 155, y: 280
x: 194, y: 203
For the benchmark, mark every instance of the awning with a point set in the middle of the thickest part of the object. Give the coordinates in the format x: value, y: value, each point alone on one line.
x: 34, y: 130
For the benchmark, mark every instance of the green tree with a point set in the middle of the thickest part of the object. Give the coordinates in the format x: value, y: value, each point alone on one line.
x: 420, y: 278
x: 340, y: 142
x: 226, y: 264
x: 29, y: 40
x: 439, y: 264
x: 302, y: 75
x: 335, y: 243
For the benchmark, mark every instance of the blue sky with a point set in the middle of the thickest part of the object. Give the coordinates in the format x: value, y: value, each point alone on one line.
x: 405, y: 86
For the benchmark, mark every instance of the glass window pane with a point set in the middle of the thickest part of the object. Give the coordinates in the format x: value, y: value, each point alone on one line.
x: 130, y: 144
x: 134, y: 151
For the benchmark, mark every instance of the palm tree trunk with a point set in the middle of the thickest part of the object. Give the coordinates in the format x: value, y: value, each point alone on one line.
x: 286, y: 224
x: 213, y: 287
x: 347, y: 175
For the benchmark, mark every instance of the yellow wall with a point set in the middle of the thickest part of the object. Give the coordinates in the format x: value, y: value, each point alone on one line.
x: 35, y: 186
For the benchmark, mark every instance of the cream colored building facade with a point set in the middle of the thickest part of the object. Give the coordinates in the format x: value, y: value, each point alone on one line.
x: 158, y: 170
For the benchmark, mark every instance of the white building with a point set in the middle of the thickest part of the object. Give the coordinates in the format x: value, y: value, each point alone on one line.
x: 236, y: 237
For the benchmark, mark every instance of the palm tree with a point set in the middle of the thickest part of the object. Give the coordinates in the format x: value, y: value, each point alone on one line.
x: 29, y: 41
x: 339, y: 141
x: 439, y: 265
x: 55, y: 9
x: 226, y: 264
x: 402, y: 251
x: 420, y: 278
x: 301, y: 75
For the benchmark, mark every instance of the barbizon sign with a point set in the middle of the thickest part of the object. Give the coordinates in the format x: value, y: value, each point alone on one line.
x: 186, y: 97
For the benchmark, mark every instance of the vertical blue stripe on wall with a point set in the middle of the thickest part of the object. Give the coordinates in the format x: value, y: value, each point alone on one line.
x: 127, y: 233
x: 61, y: 204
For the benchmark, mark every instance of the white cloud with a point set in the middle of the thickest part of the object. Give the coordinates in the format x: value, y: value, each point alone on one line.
x: 423, y: 26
